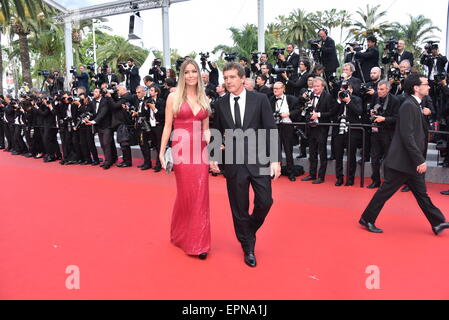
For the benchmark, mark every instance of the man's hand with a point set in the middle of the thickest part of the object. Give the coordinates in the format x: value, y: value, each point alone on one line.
x: 379, y: 119
x: 214, y: 166
x: 314, y: 116
x: 426, y: 112
x: 134, y: 114
x: 284, y: 75
x: 345, y: 100
x: 285, y: 115
x: 371, y: 92
x: 275, y: 170
x: 422, y: 168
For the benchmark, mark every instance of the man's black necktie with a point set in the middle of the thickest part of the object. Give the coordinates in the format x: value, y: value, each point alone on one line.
x: 97, y: 104
x: 237, y: 116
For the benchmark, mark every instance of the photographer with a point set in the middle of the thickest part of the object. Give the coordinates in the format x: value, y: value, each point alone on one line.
x: 297, y: 81
x: 158, y: 72
x: 348, y: 111
x: 82, y: 78
x: 102, y: 120
x: 396, y: 77
x: 329, y: 57
x: 305, y: 102
x: 141, y: 118
x: 2, y: 122
x: 88, y: 149
x: 109, y: 78
x: 244, y: 63
x: 285, y: 110
x: 395, y: 53
x: 49, y: 131
x: 20, y: 148
x: 320, y: 111
x: 292, y: 58
x: 256, y: 68
x: 264, y: 69
x: 131, y: 73
x: 368, y: 59
x: 209, y: 87
x: 56, y: 84
x: 9, y: 115
x: 261, y: 86
x: 347, y: 75
x: 67, y: 112
x: 369, y: 89
x: 156, y: 109
x: 383, y: 114
x: 435, y: 64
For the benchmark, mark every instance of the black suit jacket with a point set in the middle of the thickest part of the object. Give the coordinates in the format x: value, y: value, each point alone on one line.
x: 354, y: 110
x: 105, y: 79
x: 103, y: 117
x: 258, y: 116
x: 329, y: 56
x: 368, y: 60
x: 428, y: 61
x: 292, y: 60
x: 326, y: 106
x: 133, y: 79
x: 408, y: 149
x: 295, y: 83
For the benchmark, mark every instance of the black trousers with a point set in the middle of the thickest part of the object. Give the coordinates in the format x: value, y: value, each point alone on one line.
x: 380, y: 143
x: 70, y: 144
x: 318, y: 146
x: 50, y: 140
x: 341, y: 143
x: 156, y: 137
x: 144, y: 143
x: 87, y: 144
x: 107, y: 145
x: 246, y: 225
x: 2, y: 133
x: 394, y: 180
x: 9, y: 134
x: 37, y: 145
x: 286, y: 132
x: 19, y: 144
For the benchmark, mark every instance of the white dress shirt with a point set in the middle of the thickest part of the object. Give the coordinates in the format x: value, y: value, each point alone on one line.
x: 242, y: 105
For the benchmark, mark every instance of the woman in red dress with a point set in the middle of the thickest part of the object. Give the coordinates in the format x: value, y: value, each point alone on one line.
x: 187, y: 111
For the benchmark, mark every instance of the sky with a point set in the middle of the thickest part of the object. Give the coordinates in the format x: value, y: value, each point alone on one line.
x: 200, y: 25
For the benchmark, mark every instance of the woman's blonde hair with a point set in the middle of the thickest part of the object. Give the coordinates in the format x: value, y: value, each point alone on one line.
x: 180, y: 95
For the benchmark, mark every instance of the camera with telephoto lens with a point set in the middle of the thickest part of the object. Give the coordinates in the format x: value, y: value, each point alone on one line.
x: 375, y: 112
x: 91, y: 67
x: 288, y: 69
x: 431, y: 45
x: 179, y: 63
x: 392, y: 47
x: 440, y: 77
x: 72, y: 70
x: 86, y: 116
x: 255, y: 57
x: 277, y: 51
x: 230, y: 57
x: 277, y: 117
x: 157, y: 63
x: 44, y: 73
x: 344, y: 90
x: 314, y: 43
x: 354, y: 45
x: 204, y: 56
x: 343, y: 125
x: 365, y: 87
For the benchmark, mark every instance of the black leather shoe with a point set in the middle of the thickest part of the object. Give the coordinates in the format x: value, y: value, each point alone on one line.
x: 95, y: 163
x: 250, y: 259
x: 106, y: 166
x: 203, y: 256
x: 157, y: 169
x: 102, y: 165
x: 405, y: 189
x: 16, y: 153
x: 28, y: 155
x: 140, y: 166
x: 331, y: 158
x: 309, y: 178
x: 318, y: 181
x: 144, y: 168
x: 349, y: 183
x: 370, y: 227
x: 374, y: 185
x: 440, y: 228
x: 445, y: 193
x: 124, y: 165
x: 339, y: 183
x: 2, y: 147
x: 292, y: 178
x: 302, y: 156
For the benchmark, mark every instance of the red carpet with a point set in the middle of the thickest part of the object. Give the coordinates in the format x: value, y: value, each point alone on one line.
x: 115, y: 226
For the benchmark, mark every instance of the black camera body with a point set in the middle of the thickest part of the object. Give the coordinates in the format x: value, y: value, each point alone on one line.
x: 431, y: 45
x: 355, y: 46
x: 204, y: 56
x: 440, y: 77
x: 344, y: 94
x: 365, y: 87
x: 277, y: 51
x: 314, y: 43
x: 255, y: 57
x: 86, y: 116
x: 230, y: 57
x: 44, y: 73
x: 179, y: 63
x: 289, y: 69
x: 72, y: 70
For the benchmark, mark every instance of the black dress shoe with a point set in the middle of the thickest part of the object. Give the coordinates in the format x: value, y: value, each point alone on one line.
x: 250, y: 259
x: 141, y: 166
x: 203, y: 256
x: 339, y: 183
x: 2, y: 147
x: 445, y: 193
x: 331, y: 158
x: 157, y: 169
x: 144, y: 168
x: 318, y: 181
x: 440, y: 228
x: 28, y: 155
x: 405, y: 189
x: 349, y: 183
x: 292, y: 178
x: 124, y: 165
x: 370, y: 227
x: 106, y: 166
x: 309, y: 178
x: 95, y: 163
x: 16, y: 153
x: 374, y: 185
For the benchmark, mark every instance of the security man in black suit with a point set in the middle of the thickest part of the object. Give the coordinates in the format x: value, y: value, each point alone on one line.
x: 286, y: 110
x: 322, y: 109
x: 406, y: 159
x: 384, y: 112
x: 329, y: 57
x: 348, y: 111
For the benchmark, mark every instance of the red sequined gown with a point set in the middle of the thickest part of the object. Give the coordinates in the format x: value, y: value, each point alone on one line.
x: 190, y: 228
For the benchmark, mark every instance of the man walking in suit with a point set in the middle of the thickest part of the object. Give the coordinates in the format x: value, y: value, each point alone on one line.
x: 246, y: 112
x: 406, y: 159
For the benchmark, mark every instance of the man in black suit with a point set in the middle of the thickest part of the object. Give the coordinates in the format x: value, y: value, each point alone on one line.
x: 298, y: 80
x: 322, y: 109
x: 261, y: 86
x: 435, y: 64
x: 286, y: 110
x: 103, y: 125
x: 406, y: 160
x: 368, y: 59
x: 156, y: 113
x: 399, y: 56
x: 329, y: 57
x: 158, y: 72
x: 243, y: 113
x: 131, y: 73
x: 292, y: 59
x: 110, y: 78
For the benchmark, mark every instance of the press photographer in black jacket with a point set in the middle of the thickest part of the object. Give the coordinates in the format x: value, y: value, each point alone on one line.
x: 158, y: 72
x: 368, y: 59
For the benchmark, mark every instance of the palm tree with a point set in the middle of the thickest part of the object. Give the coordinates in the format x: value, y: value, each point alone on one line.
x: 419, y: 30
x: 299, y: 27
x: 343, y: 21
x: 371, y: 23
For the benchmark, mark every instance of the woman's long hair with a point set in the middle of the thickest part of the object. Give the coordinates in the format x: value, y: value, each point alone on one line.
x: 181, y: 93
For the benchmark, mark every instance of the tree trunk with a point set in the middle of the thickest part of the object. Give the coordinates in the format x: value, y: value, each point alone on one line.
x: 25, y: 58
